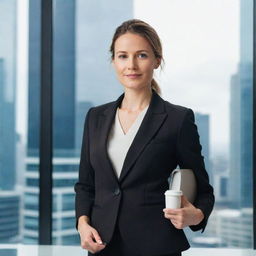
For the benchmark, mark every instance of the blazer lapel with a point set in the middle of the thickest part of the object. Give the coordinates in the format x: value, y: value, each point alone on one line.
x: 151, y: 123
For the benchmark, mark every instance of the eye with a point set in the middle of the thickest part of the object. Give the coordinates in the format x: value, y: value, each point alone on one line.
x: 143, y: 55
x: 122, y: 56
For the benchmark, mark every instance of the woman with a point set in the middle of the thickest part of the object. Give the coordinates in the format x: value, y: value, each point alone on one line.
x: 130, y: 146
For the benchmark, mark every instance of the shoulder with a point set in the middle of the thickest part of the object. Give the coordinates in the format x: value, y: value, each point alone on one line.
x: 100, y: 108
x: 178, y: 111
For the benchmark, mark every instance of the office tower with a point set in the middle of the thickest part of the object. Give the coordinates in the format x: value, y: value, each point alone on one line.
x: 202, y: 122
x: 9, y: 216
x: 31, y: 190
x: 234, y: 192
x: 241, y: 115
x: 246, y: 81
x: 234, y: 227
x: 34, y: 77
x: 9, y: 200
x: 7, y: 93
x: 240, y: 189
x: 64, y: 75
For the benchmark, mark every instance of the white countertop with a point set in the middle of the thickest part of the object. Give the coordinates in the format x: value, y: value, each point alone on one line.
x: 43, y: 250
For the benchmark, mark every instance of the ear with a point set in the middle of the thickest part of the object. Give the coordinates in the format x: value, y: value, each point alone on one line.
x: 157, y: 64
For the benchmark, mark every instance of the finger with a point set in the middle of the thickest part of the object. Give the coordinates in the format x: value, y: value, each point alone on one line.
x: 174, y: 223
x: 172, y: 215
x: 95, y: 247
x: 177, y: 224
x: 175, y: 219
x: 97, y: 237
x: 171, y: 211
x: 86, y: 242
x: 92, y: 245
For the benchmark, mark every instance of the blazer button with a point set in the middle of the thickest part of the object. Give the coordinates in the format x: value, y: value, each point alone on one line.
x: 117, y: 192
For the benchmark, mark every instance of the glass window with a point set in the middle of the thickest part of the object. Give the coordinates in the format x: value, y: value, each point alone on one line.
x: 209, y: 58
x: 19, y: 125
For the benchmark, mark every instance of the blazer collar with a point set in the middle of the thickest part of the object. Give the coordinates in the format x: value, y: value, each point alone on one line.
x: 156, y: 104
x: 150, y: 125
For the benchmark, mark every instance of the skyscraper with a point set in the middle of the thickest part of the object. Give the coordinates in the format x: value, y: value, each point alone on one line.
x: 246, y: 79
x: 234, y: 191
x: 64, y: 75
x: 7, y: 93
x: 9, y: 198
x: 240, y: 190
x: 202, y: 122
x: 9, y: 216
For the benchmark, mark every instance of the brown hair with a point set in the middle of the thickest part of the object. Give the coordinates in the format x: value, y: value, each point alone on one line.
x: 143, y: 29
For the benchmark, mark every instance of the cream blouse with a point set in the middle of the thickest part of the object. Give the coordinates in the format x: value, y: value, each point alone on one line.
x: 119, y: 142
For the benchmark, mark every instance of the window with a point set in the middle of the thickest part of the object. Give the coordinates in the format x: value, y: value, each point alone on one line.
x: 208, y: 49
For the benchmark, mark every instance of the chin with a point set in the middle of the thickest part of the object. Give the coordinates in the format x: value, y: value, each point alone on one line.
x: 134, y: 87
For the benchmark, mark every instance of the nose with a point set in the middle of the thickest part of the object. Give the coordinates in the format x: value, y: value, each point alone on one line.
x: 132, y: 63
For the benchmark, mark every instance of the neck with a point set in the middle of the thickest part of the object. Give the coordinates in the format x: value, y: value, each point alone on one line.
x: 136, y: 100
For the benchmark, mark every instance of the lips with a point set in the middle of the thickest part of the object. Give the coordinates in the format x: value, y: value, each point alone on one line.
x: 133, y: 75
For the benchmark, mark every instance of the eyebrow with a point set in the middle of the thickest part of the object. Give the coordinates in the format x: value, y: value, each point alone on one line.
x: 136, y: 51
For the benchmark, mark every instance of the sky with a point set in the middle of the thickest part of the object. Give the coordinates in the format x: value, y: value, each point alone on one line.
x: 201, y: 50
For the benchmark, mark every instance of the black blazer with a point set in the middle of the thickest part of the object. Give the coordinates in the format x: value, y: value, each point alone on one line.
x: 166, y: 138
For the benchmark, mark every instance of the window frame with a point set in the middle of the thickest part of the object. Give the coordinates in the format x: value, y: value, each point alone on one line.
x: 46, y: 129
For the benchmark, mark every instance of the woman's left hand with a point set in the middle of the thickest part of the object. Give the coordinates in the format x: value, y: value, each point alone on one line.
x: 185, y: 216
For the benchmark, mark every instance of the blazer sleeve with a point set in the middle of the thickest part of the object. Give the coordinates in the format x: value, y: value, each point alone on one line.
x: 189, y: 157
x: 84, y: 188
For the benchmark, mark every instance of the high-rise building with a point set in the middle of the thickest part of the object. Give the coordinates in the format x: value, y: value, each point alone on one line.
x: 246, y: 81
x: 34, y: 77
x: 234, y: 227
x: 241, y: 114
x: 234, y: 192
x: 9, y: 216
x: 202, y: 122
x: 2, y: 165
x: 64, y: 75
x: 7, y: 93
x: 9, y: 198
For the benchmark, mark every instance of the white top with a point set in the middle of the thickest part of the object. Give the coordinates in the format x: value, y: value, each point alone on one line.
x: 119, y: 142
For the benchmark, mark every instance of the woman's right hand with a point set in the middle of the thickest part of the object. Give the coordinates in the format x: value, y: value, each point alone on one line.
x: 90, y: 238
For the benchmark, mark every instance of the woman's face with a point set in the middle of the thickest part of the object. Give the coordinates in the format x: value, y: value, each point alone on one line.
x: 134, y: 61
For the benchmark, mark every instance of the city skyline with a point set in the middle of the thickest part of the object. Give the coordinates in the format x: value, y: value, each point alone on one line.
x: 194, y: 77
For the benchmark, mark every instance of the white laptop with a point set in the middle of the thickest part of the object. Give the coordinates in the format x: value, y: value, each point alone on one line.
x: 184, y: 180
